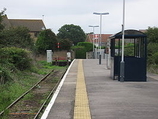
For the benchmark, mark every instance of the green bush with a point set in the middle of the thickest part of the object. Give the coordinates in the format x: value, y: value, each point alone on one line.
x: 5, y: 100
x: 88, y: 46
x: 80, y: 52
x: 4, y: 75
x: 16, y: 37
x: 129, y: 49
x: 155, y: 58
x: 15, y: 56
x: 152, y: 53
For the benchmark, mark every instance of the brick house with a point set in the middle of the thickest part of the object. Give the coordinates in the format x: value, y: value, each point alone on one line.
x: 34, y: 25
x: 96, y: 38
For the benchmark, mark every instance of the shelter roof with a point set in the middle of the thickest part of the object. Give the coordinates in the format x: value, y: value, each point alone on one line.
x: 129, y: 34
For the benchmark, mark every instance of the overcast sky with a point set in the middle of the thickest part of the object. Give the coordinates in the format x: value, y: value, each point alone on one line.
x: 140, y: 14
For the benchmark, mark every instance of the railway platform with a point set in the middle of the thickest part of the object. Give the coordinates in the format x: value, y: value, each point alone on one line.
x: 87, y: 92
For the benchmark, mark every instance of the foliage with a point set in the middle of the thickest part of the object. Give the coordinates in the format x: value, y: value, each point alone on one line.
x: 4, y: 75
x: 17, y: 37
x: 72, y: 32
x: 155, y: 58
x: 103, y: 47
x: 5, y: 99
x: 152, y: 48
x: 152, y: 34
x: 13, y: 89
x: 80, y: 52
x: 129, y: 49
x: 153, y: 68
x: 88, y: 46
x: 22, y: 82
x: 65, y: 44
x: 15, y: 56
x: 1, y: 18
x: 152, y: 53
x: 46, y: 41
x: 14, y: 37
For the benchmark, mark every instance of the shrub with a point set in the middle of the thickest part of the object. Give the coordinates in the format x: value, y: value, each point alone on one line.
x: 80, y: 52
x: 155, y: 58
x: 15, y: 56
x: 152, y: 52
x: 88, y: 46
x: 16, y: 37
x: 4, y: 75
x: 129, y: 49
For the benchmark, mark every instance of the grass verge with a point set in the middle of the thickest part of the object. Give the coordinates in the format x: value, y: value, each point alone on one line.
x: 22, y: 81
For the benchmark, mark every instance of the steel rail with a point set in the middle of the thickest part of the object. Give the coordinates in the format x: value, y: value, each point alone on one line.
x: 13, y: 103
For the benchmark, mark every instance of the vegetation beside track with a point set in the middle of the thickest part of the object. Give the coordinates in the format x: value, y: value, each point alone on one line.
x: 21, y: 81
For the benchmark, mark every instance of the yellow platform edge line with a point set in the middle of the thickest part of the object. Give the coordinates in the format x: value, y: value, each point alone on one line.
x: 81, y: 108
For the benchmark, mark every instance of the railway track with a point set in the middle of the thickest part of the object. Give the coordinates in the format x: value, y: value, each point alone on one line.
x: 31, y: 104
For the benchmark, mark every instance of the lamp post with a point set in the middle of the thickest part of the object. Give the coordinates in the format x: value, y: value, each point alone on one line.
x: 101, y: 14
x: 93, y: 39
x: 122, y: 63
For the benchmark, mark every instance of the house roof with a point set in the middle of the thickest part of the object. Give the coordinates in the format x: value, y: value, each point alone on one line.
x: 31, y: 24
x: 5, y: 22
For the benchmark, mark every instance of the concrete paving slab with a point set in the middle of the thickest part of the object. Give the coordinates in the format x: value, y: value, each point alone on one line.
x: 108, y: 99
x: 111, y: 99
x: 63, y: 107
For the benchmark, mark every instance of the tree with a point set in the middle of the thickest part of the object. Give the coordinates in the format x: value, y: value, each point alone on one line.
x: 1, y: 18
x: 46, y: 41
x: 152, y: 34
x: 152, y: 50
x: 17, y: 37
x: 72, y: 32
x: 65, y: 44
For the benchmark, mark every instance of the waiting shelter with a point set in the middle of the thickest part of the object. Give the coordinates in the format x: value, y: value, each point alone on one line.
x: 135, y: 55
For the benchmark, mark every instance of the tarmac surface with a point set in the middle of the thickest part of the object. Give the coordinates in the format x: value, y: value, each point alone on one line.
x: 108, y: 99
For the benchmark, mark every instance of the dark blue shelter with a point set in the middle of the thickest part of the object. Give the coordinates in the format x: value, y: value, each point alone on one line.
x: 135, y: 55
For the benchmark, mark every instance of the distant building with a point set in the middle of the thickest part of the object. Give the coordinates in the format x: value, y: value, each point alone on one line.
x: 34, y: 25
x: 104, y: 39
x: 143, y: 30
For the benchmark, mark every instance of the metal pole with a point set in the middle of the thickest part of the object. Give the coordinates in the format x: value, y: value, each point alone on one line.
x: 98, y: 46
x: 100, y: 32
x: 122, y: 63
x: 100, y: 39
x: 93, y: 40
x: 93, y: 43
